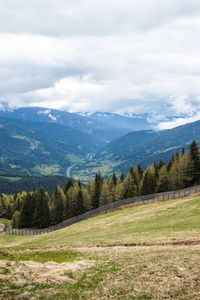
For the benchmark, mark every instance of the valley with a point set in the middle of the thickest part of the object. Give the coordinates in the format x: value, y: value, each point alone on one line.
x: 34, y: 143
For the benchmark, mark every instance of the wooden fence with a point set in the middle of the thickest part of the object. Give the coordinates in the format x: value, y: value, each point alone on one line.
x: 107, y: 208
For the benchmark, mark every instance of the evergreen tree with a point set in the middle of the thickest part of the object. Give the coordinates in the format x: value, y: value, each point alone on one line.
x: 68, y: 185
x: 140, y: 171
x: 169, y: 165
x: 177, y: 156
x: 80, y: 202
x: 181, y: 172
x: 16, y: 219
x: 148, y: 183
x: 27, y: 211
x: 86, y: 199
x: 59, y: 201
x: 71, y: 203
x: 163, y: 179
x: 187, y: 170
x: 41, y: 218
x: 105, y: 194
x: 79, y: 183
x: 17, y: 204
x: 130, y: 188
x: 3, y: 208
x: 161, y: 164
x: 121, y: 178
x: 96, y: 191
x: 120, y: 192
x: 114, y: 179
x: 194, y: 153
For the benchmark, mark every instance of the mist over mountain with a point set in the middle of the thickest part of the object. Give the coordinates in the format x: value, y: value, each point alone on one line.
x: 129, y: 122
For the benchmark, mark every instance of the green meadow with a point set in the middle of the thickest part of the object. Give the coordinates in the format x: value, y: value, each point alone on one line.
x: 146, y: 251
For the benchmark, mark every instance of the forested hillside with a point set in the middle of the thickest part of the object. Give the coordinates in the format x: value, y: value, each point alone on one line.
x: 145, y: 147
x: 40, y: 209
x: 99, y: 131
x: 29, y: 183
x: 31, y: 148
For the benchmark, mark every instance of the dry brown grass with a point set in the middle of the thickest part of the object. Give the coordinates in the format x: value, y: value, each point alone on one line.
x: 27, y: 272
x: 168, y: 272
x: 142, y: 252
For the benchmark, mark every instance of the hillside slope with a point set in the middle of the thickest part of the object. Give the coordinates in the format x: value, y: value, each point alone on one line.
x: 152, y: 223
x: 99, y: 131
x: 40, y: 148
x: 152, y: 146
x: 143, y: 252
x: 29, y: 183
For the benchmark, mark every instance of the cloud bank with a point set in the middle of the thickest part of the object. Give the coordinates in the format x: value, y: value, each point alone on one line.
x: 118, y: 56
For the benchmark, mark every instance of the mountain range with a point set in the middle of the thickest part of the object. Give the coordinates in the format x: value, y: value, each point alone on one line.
x: 40, y: 141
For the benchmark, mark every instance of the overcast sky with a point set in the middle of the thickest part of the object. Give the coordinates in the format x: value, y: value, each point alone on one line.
x: 135, y: 56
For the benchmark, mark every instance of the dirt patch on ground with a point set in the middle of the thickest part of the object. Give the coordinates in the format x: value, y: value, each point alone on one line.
x: 23, y: 272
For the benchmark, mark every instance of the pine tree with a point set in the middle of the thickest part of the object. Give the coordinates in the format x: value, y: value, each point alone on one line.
x: 169, y: 165
x: 120, y: 192
x: 163, y: 179
x: 17, y: 203
x: 59, y: 201
x: 86, y: 199
x: 96, y: 191
x: 79, y: 183
x: 3, y: 206
x: 16, y: 219
x: 194, y: 153
x: 121, y: 178
x: 187, y: 170
x: 181, y: 172
x: 161, y: 164
x: 148, y: 183
x: 140, y: 171
x: 80, y: 202
x: 26, y: 212
x: 114, y: 179
x: 105, y: 194
x: 41, y: 218
x: 130, y: 188
x: 68, y: 185
x: 177, y: 156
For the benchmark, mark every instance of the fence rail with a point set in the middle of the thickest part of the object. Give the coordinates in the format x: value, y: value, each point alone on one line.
x: 107, y: 208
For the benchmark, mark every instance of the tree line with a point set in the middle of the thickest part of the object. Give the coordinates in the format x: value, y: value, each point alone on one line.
x: 40, y: 209
x: 28, y: 183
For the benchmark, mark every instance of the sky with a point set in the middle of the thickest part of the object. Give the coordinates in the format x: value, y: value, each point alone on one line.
x: 130, y: 56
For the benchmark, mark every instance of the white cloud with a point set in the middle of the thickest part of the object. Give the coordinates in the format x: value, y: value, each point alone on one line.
x: 178, y: 122
x: 122, y: 56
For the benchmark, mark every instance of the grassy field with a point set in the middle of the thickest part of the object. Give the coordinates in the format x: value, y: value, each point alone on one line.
x: 11, y: 178
x: 149, y: 251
